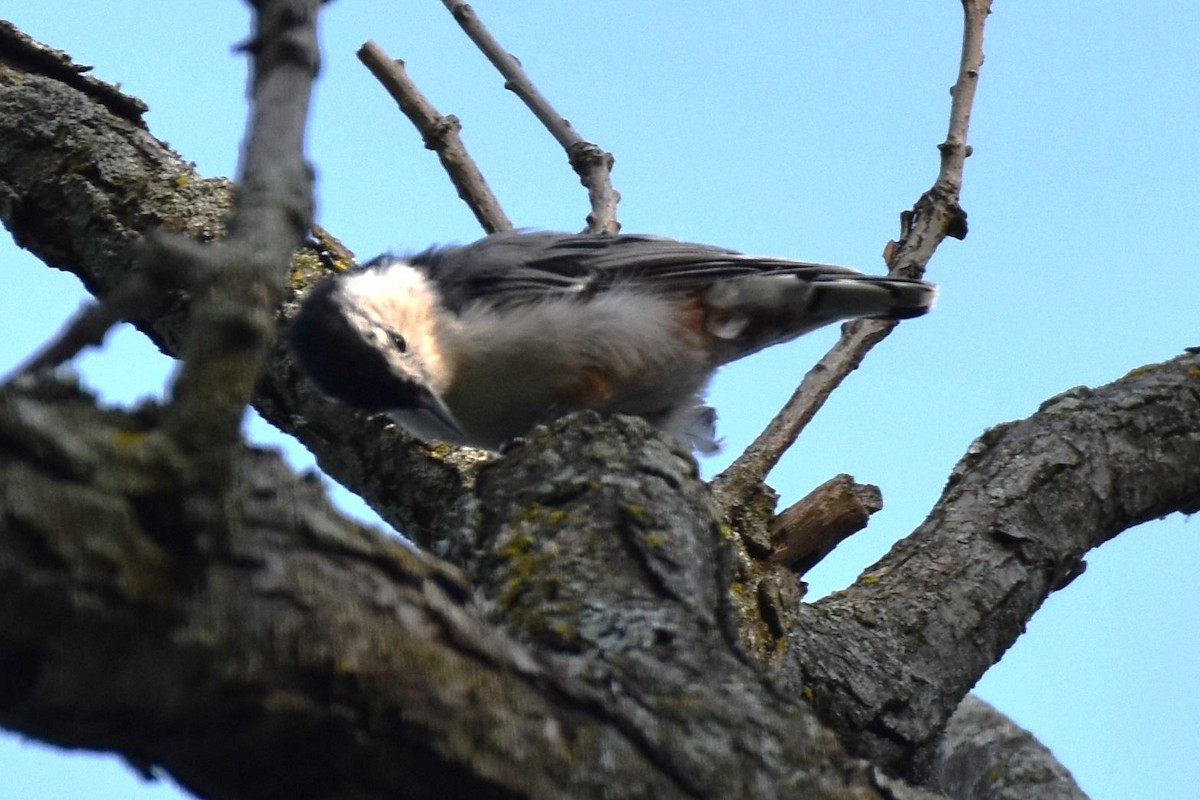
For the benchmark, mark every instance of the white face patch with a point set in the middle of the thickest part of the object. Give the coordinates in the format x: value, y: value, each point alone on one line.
x: 394, y: 308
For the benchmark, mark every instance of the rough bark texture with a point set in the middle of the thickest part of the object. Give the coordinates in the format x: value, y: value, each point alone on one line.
x: 609, y: 634
x: 808, y: 530
x: 977, y: 739
x: 305, y: 656
x: 888, y: 659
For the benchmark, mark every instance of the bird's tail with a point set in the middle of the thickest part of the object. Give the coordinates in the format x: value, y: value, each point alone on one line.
x: 854, y: 296
x: 756, y: 312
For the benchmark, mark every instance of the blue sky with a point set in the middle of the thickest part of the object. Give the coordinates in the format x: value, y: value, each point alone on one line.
x: 791, y: 129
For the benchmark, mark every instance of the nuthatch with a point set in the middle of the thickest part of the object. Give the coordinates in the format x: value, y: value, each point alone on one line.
x: 477, y: 344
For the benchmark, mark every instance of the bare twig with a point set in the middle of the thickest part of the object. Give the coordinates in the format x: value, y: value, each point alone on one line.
x: 440, y: 134
x: 238, y: 282
x: 809, y: 529
x: 955, y: 149
x: 149, y: 284
x: 233, y: 323
x: 93, y: 321
x: 590, y: 162
x: 935, y: 216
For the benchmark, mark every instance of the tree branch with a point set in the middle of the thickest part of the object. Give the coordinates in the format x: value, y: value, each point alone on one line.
x: 311, y: 657
x: 91, y: 222
x: 986, y: 756
x: 887, y: 660
x: 809, y: 529
x: 590, y: 162
x: 654, y: 573
x: 233, y: 325
x: 91, y: 324
x: 440, y: 135
x: 935, y: 216
x: 314, y: 659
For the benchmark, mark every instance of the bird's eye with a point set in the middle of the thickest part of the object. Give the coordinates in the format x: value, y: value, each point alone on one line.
x: 398, y: 341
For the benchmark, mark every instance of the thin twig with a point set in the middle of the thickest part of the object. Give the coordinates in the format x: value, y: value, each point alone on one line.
x: 440, y: 134
x: 150, y: 283
x: 955, y: 149
x: 590, y: 162
x: 92, y: 323
x: 935, y: 216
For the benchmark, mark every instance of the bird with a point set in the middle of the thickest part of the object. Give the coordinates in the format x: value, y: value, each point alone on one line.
x: 476, y: 344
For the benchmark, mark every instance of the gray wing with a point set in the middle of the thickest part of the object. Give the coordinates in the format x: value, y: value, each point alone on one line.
x: 516, y: 267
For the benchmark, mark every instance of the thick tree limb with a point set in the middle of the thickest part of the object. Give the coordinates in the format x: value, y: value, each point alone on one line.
x: 888, y: 659
x: 984, y: 755
x: 19, y: 49
x: 313, y: 658
x: 310, y: 657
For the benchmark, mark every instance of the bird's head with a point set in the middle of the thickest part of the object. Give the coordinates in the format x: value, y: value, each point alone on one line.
x: 368, y: 339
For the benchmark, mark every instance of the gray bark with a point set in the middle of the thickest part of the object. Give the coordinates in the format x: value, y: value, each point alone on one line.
x: 305, y: 656
x: 887, y: 660
x: 978, y: 740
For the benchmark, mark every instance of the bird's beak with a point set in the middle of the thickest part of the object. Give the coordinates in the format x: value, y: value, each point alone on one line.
x: 432, y: 403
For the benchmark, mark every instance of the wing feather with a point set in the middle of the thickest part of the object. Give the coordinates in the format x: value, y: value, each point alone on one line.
x: 520, y: 267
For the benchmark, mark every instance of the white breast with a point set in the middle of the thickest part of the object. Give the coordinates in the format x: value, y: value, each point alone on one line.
x: 516, y: 366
